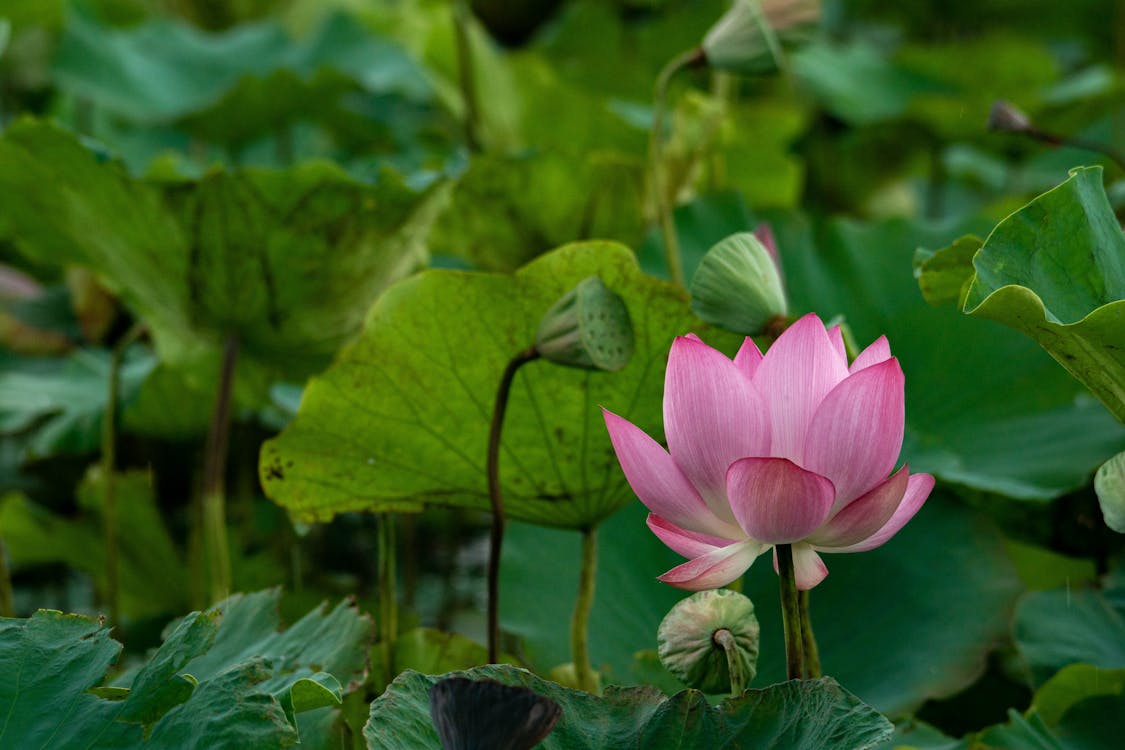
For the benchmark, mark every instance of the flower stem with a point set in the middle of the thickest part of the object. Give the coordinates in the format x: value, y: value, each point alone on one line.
x: 660, y: 190
x: 790, y: 613
x: 496, y: 497
x: 808, y: 640
x: 6, y: 608
x: 388, y: 592
x: 580, y: 620
x: 214, y: 478
x: 466, y: 74
x: 110, y: 522
x: 725, y: 640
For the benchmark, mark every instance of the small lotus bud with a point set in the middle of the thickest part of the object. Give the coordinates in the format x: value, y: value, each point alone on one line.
x: 738, y: 286
x: 1109, y: 484
x: 740, y: 42
x: 588, y: 328
x: 710, y: 641
x: 1006, y: 117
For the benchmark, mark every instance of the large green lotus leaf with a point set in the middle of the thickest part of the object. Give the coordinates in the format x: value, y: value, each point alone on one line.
x: 795, y: 716
x: 153, y: 580
x: 286, y: 261
x: 165, y: 70
x: 1070, y: 625
x: 57, y: 404
x: 49, y: 662
x: 1055, y: 270
x: 944, y: 579
x: 402, y: 417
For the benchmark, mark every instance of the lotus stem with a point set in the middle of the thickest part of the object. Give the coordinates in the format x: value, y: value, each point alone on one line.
x: 663, y: 201
x: 580, y: 620
x: 466, y: 74
x: 214, y: 518
x: 790, y: 613
x: 110, y: 517
x: 724, y: 639
x: 495, y: 495
x: 388, y: 592
x: 6, y: 607
x: 808, y: 640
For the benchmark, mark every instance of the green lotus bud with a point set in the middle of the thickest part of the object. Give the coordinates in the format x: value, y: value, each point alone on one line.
x: 738, y: 286
x: 710, y: 641
x: 1109, y: 484
x: 1006, y: 117
x: 746, y: 38
x: 588, y: 328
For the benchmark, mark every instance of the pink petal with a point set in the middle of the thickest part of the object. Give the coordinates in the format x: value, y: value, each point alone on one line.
x: 796, y: 373
x: 748, y: 357
x: 878, y: 351
x: 715, y: 569
x: 865, y: 515
x: 856, y: 434
x: 836, y: 337
x: 658, y: 482
x: 713, y: 415
x: 917, y: 490
x: 682, y: 541
x: 776, y: 501
x: 808, y: 568
x: 764, y: 233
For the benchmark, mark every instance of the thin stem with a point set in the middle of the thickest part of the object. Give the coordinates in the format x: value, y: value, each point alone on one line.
x: 580, y: 620
x: 214, y: 478
x: 6, y: 607
x: 1054, y: 139
x: 411, y: 557
x: 496, y: 497
x: 724, y: 639
x: 661, y: 190
x: 466, y: 73
x: 808, y: 640
x: 388, y: 591
x: 790, y: 613
x: 110, y: 516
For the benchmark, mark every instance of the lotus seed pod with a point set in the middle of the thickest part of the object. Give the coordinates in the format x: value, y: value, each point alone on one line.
x: 706, y: 636
x: 588, y: 328
x: 738, y: 286
x: 1109, y: 484
x: 744, y: 39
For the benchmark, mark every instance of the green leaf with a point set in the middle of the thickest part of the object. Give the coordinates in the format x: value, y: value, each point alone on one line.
x: 50, y: 661
x: 795, y: 716
x: 286, y: 261
x: 1073, y: 684
x: 1065, y: 626
x: 60, y: 402
x: 944, y: 274
x: 944, y: 579
x: 402, y: 417
x: 1055, y: 270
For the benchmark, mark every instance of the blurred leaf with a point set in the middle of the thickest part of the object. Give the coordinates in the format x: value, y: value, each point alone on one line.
x: 945, y: 579
x: 796, y: 716
x: 60, y: 402
x: 286, y: 261
x: 402, y: 418
x: 944, y: 274
x: 1072, y: 685
x: 153, y: 579
x: 1069, y: 625
x: 1109, y: 484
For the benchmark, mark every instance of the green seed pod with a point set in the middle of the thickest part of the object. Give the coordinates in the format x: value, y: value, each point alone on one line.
x: 738, y: 286
x: 588, y: 328
x: 748, y: 36
x: 1109, y: 484
x: 710, y: 641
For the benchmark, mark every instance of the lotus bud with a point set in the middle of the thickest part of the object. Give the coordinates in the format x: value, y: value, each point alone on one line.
x: 709, y: 641
x: 1109, y: 484
x: 738, y: 286
x: 744, y: 40
x: 1006, y: 117
x: 588, y: 328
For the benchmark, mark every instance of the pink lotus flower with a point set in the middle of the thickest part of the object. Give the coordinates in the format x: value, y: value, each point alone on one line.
x: 794, y: 447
